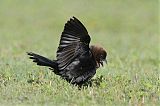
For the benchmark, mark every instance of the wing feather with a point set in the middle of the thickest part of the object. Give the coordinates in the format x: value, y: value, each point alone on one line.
x: 73, y: 34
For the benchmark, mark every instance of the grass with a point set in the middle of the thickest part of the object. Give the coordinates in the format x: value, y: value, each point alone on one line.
x: 127, y: 29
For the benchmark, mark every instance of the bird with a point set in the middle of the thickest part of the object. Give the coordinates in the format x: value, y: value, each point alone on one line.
x: 76, y: 61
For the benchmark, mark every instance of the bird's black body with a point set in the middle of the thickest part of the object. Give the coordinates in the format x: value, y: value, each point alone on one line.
x: 75, y: 61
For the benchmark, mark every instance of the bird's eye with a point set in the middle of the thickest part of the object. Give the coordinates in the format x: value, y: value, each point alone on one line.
x: 101, y: 56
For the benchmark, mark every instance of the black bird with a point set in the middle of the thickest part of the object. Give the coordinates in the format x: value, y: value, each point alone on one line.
x: 76, y: 61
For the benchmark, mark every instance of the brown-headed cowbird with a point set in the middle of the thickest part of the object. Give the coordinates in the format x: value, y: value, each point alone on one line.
x: 76, y: 61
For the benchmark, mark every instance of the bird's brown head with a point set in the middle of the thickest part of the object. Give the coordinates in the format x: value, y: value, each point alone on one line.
x: 99, y: 54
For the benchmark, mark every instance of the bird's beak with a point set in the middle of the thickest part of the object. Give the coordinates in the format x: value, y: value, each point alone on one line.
x: 101, y: 62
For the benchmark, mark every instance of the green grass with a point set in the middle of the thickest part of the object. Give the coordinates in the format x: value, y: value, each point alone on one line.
x: 128, y: 29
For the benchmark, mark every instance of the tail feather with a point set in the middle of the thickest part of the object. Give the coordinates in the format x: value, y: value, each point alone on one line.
x: 43, y: 61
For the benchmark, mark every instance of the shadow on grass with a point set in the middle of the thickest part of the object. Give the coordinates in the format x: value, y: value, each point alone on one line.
x: 90, y: 83
x: 93, y: 82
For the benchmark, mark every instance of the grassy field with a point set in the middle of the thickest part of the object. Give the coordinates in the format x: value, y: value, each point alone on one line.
x: 128, y: 29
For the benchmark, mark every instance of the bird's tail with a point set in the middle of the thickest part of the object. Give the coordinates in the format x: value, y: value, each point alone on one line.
x: 43, y: 61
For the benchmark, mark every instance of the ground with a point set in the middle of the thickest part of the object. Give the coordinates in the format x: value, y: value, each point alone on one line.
x: 128, y: 29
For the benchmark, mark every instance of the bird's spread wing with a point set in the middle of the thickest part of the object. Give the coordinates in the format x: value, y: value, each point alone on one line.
x: 73, y: 34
